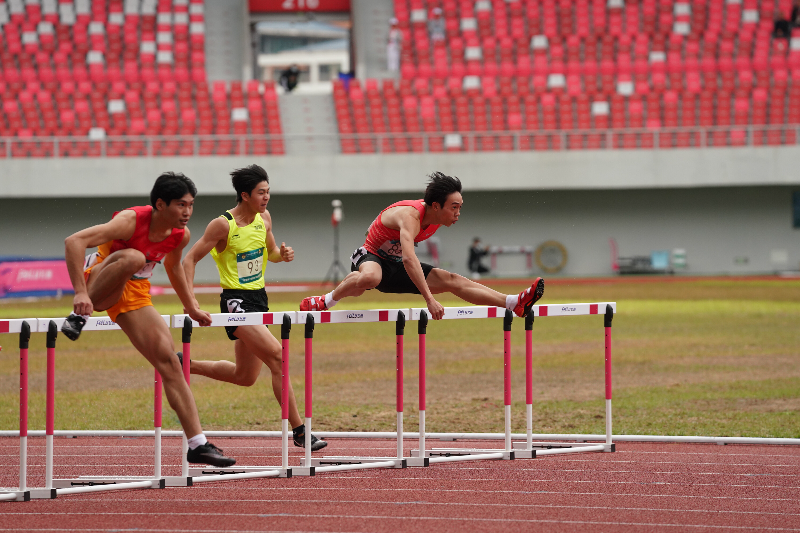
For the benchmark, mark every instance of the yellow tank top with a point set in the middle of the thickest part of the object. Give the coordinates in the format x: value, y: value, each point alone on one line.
x: 241, y: 264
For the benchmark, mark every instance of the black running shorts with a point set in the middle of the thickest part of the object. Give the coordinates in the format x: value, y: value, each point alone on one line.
x: 242, y: 301
x: 394, y: 278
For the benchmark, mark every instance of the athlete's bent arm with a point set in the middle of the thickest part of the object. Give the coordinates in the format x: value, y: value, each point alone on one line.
x: 177, y: 277
x: 274, y: 253
x: 409, y: 227
x: 216, y: 235
x: 120, y: 227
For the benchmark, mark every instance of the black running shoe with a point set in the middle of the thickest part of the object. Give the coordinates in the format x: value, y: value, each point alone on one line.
x: 210, y: 455
x: 72, y: 326
x: 300, y: 440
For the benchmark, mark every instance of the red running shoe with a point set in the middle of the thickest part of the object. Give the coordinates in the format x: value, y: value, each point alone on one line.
x: 528, y: 297
x: 313, y: 303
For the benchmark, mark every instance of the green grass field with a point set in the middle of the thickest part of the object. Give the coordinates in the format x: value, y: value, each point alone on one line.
x: 691, y: 357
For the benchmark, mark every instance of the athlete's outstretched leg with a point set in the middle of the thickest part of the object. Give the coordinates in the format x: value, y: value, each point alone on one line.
x: 244, y: 372
x: 440, y: 281
x: 354, y: 284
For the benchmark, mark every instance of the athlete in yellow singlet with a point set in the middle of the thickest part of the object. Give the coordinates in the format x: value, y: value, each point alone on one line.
x: 241, y: 242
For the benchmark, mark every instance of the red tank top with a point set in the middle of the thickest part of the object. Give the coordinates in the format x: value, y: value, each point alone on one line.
x: 385, y: 242
x: 154, y: 252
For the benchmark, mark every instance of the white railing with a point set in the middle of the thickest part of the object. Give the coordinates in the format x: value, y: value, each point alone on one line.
x: 238, y: 145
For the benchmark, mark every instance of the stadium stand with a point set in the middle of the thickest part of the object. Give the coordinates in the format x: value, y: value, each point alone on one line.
x: 129, y: 72
x: 581, y: 74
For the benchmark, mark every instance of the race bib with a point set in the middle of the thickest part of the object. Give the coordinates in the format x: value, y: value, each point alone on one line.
x: 392, y: 250
x: 146, y: 271
x: 250, y: 265
x: 357, y: 255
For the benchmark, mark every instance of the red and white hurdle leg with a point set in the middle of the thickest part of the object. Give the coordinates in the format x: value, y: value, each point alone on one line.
x: 419, y: 457
x: 609, y: 317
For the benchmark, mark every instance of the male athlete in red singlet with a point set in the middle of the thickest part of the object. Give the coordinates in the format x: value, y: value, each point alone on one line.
x: 387, y: 261
x: 116, y: 279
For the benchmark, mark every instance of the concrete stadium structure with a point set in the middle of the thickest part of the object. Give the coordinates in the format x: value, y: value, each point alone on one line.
x: 730, y: 209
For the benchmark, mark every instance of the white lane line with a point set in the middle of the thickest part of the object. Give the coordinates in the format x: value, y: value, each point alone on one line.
x: 458, y: 504
x: 434, y: 518
x: 471, y: 491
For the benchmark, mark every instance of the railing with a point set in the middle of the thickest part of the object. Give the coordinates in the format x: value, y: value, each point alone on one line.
x: 473, y: 141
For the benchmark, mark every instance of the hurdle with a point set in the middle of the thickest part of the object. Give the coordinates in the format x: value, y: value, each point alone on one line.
x: 527, y: 449
x: 54, y: 487
x: 286, y: 319
x: 23, y: 327
x: 342, y: 463
x: 530, y: 449
x: 424, y: 457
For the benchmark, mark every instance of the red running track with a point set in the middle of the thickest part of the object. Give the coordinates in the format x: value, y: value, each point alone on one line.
x: 640, y: 488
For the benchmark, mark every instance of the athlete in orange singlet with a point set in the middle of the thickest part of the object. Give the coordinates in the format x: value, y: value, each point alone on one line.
x: 387, y: 261
x: 115, y: 278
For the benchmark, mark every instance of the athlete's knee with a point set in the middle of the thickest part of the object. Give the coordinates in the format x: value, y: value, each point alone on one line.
x: 131, y: 259
x: 368, y: 280
x: 246, y: 379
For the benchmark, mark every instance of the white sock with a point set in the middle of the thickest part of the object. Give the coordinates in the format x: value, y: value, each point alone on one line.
x: 511, y: 301
x: 329, y: 301
x: 197, y: 440
x: 85, y: 317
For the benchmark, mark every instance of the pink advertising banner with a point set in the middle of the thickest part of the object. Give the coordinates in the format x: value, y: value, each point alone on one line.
x: 33, y: 278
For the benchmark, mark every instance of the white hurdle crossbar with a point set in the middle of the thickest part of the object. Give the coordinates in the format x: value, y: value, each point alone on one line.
x: 285, y: 319
x: 54, y: 487
x: 342, y: 463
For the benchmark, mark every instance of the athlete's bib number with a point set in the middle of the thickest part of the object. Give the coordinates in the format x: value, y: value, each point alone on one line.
x: 391, y: 250
x: 250, y: 265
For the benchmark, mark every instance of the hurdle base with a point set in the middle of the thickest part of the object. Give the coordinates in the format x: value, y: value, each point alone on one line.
x: 219, y: 471
x: 304, y: 471
x: 43, y: 494
x: 455, y: 452
x: 335, y: 461
x: 94, y: 481
x: 19, y: 495
x: 553, y: 448
x: 418, y: 461
x: 178, y: 481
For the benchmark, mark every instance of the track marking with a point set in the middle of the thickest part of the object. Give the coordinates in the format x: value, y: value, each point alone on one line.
x: 434, y: 518
x: 459, y: 504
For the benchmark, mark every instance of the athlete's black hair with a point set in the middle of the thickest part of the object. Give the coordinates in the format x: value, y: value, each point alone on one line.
x: 440, y: 187
x: 246, y: 179
x: 171, y: 186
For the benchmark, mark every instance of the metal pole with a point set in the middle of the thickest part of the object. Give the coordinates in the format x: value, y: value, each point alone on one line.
x: 286, y: 328
x: 309, y: 376
x: 52, y: 332
x: 609, y: 316
x: 507, y: 374
x: 399, y: 331
x: 24, y: 339
x: 529, y: 378
x: 157, y: 409
x: 186, y: 339
x: 422, y: 328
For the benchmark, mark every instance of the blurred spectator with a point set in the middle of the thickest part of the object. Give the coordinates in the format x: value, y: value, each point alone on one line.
x: 289, y: 78
x: 393, y: 46
x: 477, y: 251
x: 781, y: 29
x: 795, y: 18
x: 436, y: 25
